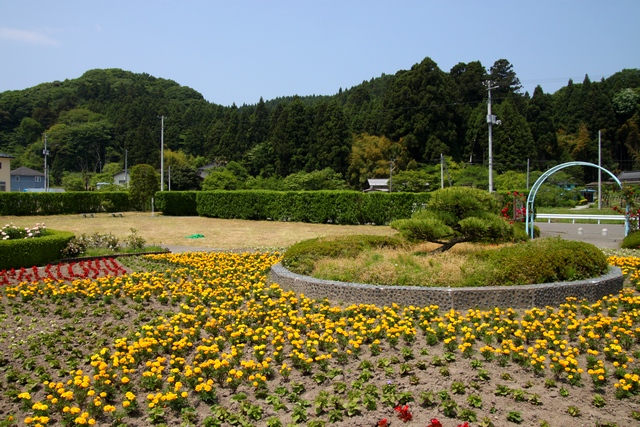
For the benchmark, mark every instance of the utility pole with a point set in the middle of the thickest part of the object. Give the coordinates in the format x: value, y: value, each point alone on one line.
x: 599, y: 170
x: 391, y: 162
x: 126, y: 172
x: 162, y: 153
x: 45, y: 152
x: 491, y: 120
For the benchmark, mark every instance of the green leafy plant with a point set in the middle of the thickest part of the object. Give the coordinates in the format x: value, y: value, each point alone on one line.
x: 514, y: 417
x: 598, y: 401
x: 475, y: 401
x: 574, y: 411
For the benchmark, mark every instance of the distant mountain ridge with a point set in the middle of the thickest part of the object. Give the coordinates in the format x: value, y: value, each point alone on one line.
x: 424, y: 111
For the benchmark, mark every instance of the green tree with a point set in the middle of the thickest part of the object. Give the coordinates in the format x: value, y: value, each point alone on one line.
x: 326, y: 179
x: 474, y: 176
x: 539, y: 115
x: 629, y: 135
x: 74, y: 182
x: 454, y: 215
x: 184, y: 178
x: 220, y: 180
x: 504, y: 78
x: 512, y: 140
x: 418, y: 109
x: 371, y: 157
x: 145, y: 182
x: 416, y: 181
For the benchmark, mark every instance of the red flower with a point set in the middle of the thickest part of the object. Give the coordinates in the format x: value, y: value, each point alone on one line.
x: 435, y: 423
x: 383, y: 423
x: 403, y: 413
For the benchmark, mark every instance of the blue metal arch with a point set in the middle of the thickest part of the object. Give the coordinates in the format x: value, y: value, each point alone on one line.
x: 536, y: 186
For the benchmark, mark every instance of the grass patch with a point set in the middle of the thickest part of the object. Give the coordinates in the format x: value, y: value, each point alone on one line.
x: 93, y: 252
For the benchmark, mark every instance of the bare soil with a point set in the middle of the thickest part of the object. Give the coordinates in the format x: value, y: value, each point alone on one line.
x: 92, y: 323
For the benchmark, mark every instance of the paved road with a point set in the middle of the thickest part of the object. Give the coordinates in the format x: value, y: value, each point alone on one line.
x: 601, y: 235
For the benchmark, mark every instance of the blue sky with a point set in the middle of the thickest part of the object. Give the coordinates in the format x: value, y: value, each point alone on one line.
x: 237, y: 51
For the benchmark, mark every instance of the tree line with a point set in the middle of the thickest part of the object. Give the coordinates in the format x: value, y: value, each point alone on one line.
x: 392, y: 124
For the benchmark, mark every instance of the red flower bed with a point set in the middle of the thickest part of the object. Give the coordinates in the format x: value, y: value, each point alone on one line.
x: 92, y: 269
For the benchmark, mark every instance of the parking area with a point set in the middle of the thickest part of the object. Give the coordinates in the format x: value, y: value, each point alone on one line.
x: 601, y: 235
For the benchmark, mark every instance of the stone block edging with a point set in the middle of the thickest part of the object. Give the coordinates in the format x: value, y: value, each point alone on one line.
x: 525, y: 296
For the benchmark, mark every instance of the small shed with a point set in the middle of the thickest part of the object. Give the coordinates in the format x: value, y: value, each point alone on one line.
x: 376, y: 184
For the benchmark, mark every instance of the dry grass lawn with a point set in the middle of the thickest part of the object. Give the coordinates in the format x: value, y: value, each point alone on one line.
x: 218, y: 233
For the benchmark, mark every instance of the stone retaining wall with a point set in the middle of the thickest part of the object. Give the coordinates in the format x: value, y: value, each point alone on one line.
x: 525, y: 296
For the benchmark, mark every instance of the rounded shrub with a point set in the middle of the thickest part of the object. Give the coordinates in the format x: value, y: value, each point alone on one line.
x: 631, y: 241
x: 544, y: 260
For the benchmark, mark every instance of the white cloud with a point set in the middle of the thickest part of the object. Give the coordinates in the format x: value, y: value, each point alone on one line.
x: 32, y: 37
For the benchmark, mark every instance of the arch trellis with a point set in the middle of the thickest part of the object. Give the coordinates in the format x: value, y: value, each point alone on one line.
x: 536, y: 186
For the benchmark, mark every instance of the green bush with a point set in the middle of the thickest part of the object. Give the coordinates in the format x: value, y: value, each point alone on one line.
x: 631, y: 241
x: 540, y: 261
x: 36, y: 251
x: 520, y: 232
x: 21, y: 204
x: 301, y: 257
x: 336, y: 207
x: 177, y: 203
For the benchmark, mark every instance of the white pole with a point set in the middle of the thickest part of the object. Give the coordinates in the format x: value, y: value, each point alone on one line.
x: 490, y: 120
x: 162, y: 154
x: 46, y: 175
x: 599, y: 170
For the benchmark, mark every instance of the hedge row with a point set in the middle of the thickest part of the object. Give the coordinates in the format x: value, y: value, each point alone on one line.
x: 337, y: 207
x: 37, y: 251
x: 176, y: 203
x: 21, y: 204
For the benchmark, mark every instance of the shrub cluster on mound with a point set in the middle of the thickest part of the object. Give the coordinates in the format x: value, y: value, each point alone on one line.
x: 540, y: 261
x: 537, y: 261
x: 301, y: 257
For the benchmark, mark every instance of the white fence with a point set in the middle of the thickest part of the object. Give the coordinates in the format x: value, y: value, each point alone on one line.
x: 573, y: 217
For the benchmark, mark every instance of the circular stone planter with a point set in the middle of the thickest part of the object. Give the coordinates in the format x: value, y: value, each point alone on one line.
x: 524, y: 296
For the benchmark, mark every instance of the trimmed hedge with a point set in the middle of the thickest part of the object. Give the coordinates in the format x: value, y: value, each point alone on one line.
x: 337, y: 207
x: 21, y: 204
x: 43, y: 250
x: 176, y: 203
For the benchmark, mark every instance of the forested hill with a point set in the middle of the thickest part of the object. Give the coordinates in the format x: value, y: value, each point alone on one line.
x: 411, y: 117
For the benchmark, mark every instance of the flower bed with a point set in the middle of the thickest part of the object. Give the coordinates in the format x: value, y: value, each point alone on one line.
x: 201, y: 339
